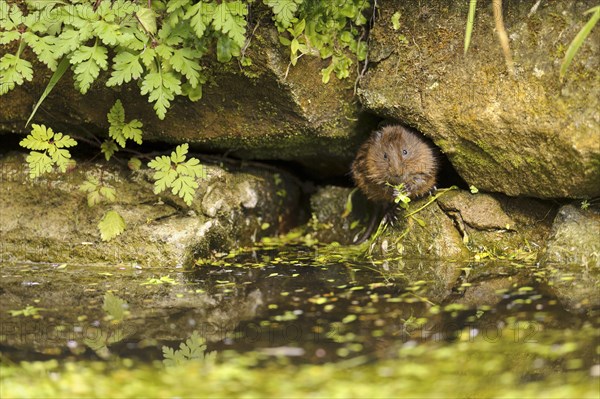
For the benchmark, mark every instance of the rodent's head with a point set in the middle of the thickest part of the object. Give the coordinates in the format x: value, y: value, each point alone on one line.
x: 396, y: 155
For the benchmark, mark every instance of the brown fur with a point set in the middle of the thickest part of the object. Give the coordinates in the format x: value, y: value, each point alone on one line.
x: 381, y: 159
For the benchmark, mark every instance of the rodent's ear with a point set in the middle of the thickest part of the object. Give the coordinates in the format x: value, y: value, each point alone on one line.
x: 377, y: 134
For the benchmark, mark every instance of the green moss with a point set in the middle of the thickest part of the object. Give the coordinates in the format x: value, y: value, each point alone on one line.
x: 471, y: 367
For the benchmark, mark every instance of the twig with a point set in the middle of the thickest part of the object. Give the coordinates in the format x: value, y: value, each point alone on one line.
x: 502, y: 36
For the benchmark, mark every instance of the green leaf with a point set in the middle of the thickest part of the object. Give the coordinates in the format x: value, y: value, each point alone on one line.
x: 108, y: 148
x: 53, y: 145
x: 470, y: 23
x: 176, y: 173
x: 38, y: 139
x: 284, y: 11
x: 114, y: 306
x: 60, y: 71
x: 87, y: 62
x: 193, y: 349
x: 147, y: 18
x: 111, y: 225
x: 200, y: 16
x: 229, y: 18
x: 186, y: 62
x: 39, y: 163
x: 126, y: 67
x: 13, y: 71
x: 116, y: 120
x: 161, y: 88
x: 176, y: 4
x: 120, y: 131
x: 178, y: 155
x: 109, y: 193
x: 227, y: 49
x: 43, y: 47
x: 134, y: 163
x: 579, y: 39
x: 133, y: 131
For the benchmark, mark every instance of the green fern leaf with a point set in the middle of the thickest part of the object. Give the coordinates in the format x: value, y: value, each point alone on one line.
x: 178, y: 155
x: 90, y: 187
x: 109, y: 193
x: 60, y: 157
x: 176, y: 173
x: 120, y: 131
x: 126, y: 67
x: 108, y: 148
x: 39, y: 163
x: 176, y: 4
x: 114, y: 306
x: 229, y: 18
x: 111, y: 225
x: 43, y: 47
x: 53, y: 144
x: 38, y: 139
x: 161, y: 163
x: 161, y: 88
x: 13, y: 71
x: 227, y: 49
x: 200, y: 16
x: 284, y: 11
x: 68, y: 41
x: 185, y: 187
x: 62, y: 140
x: 88, y: 61
x: 185, y: 61
x: 133, y: 131
x: 164, y: 180
x: 147, y: 18
x: 194, y: 348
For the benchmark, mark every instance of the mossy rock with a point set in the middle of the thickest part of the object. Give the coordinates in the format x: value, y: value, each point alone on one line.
x: 523, y: 135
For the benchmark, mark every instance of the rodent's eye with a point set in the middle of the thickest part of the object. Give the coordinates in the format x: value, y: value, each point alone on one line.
x: 404, y: 152
x: 385, y: 156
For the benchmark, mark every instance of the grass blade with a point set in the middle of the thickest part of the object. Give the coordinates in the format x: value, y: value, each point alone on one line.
x: 579, y: 39
x: 60, y: 71
x: 470, y: 23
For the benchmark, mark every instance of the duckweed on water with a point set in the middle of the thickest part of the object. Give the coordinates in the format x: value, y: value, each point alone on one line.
x: 472, y: 367
x: 294, y: 320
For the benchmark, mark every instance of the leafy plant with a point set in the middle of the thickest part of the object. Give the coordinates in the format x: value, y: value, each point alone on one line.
x: 97, y: 191
x: 119, y: 131
x: 176, y: 173
x: 115, y: 307
x: 111, y: 225
x: 159, y: 281
x: 194, y: 348
x: 400, y: 195
x: 329, y: 29
x: 28, y: 311
x: 49, y: 150
x: 161, y: 48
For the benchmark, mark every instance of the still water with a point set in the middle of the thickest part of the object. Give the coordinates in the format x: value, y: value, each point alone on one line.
x: 296, y: 321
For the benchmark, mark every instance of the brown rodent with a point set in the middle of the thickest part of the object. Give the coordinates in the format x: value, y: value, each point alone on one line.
x: 394, y: 155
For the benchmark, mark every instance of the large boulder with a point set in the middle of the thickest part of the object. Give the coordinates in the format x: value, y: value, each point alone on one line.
x: 48, y: 219
x: 528, y: 134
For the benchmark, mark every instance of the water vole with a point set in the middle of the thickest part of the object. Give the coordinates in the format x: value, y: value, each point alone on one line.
x: 394, y: 155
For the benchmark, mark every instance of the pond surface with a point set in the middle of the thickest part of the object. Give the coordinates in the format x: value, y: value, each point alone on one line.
x: 310, y: 318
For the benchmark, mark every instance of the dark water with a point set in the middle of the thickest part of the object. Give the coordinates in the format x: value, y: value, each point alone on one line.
x: 308, y: 306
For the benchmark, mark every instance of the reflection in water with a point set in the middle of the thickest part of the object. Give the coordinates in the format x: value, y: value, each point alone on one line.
x: 306, y: 306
